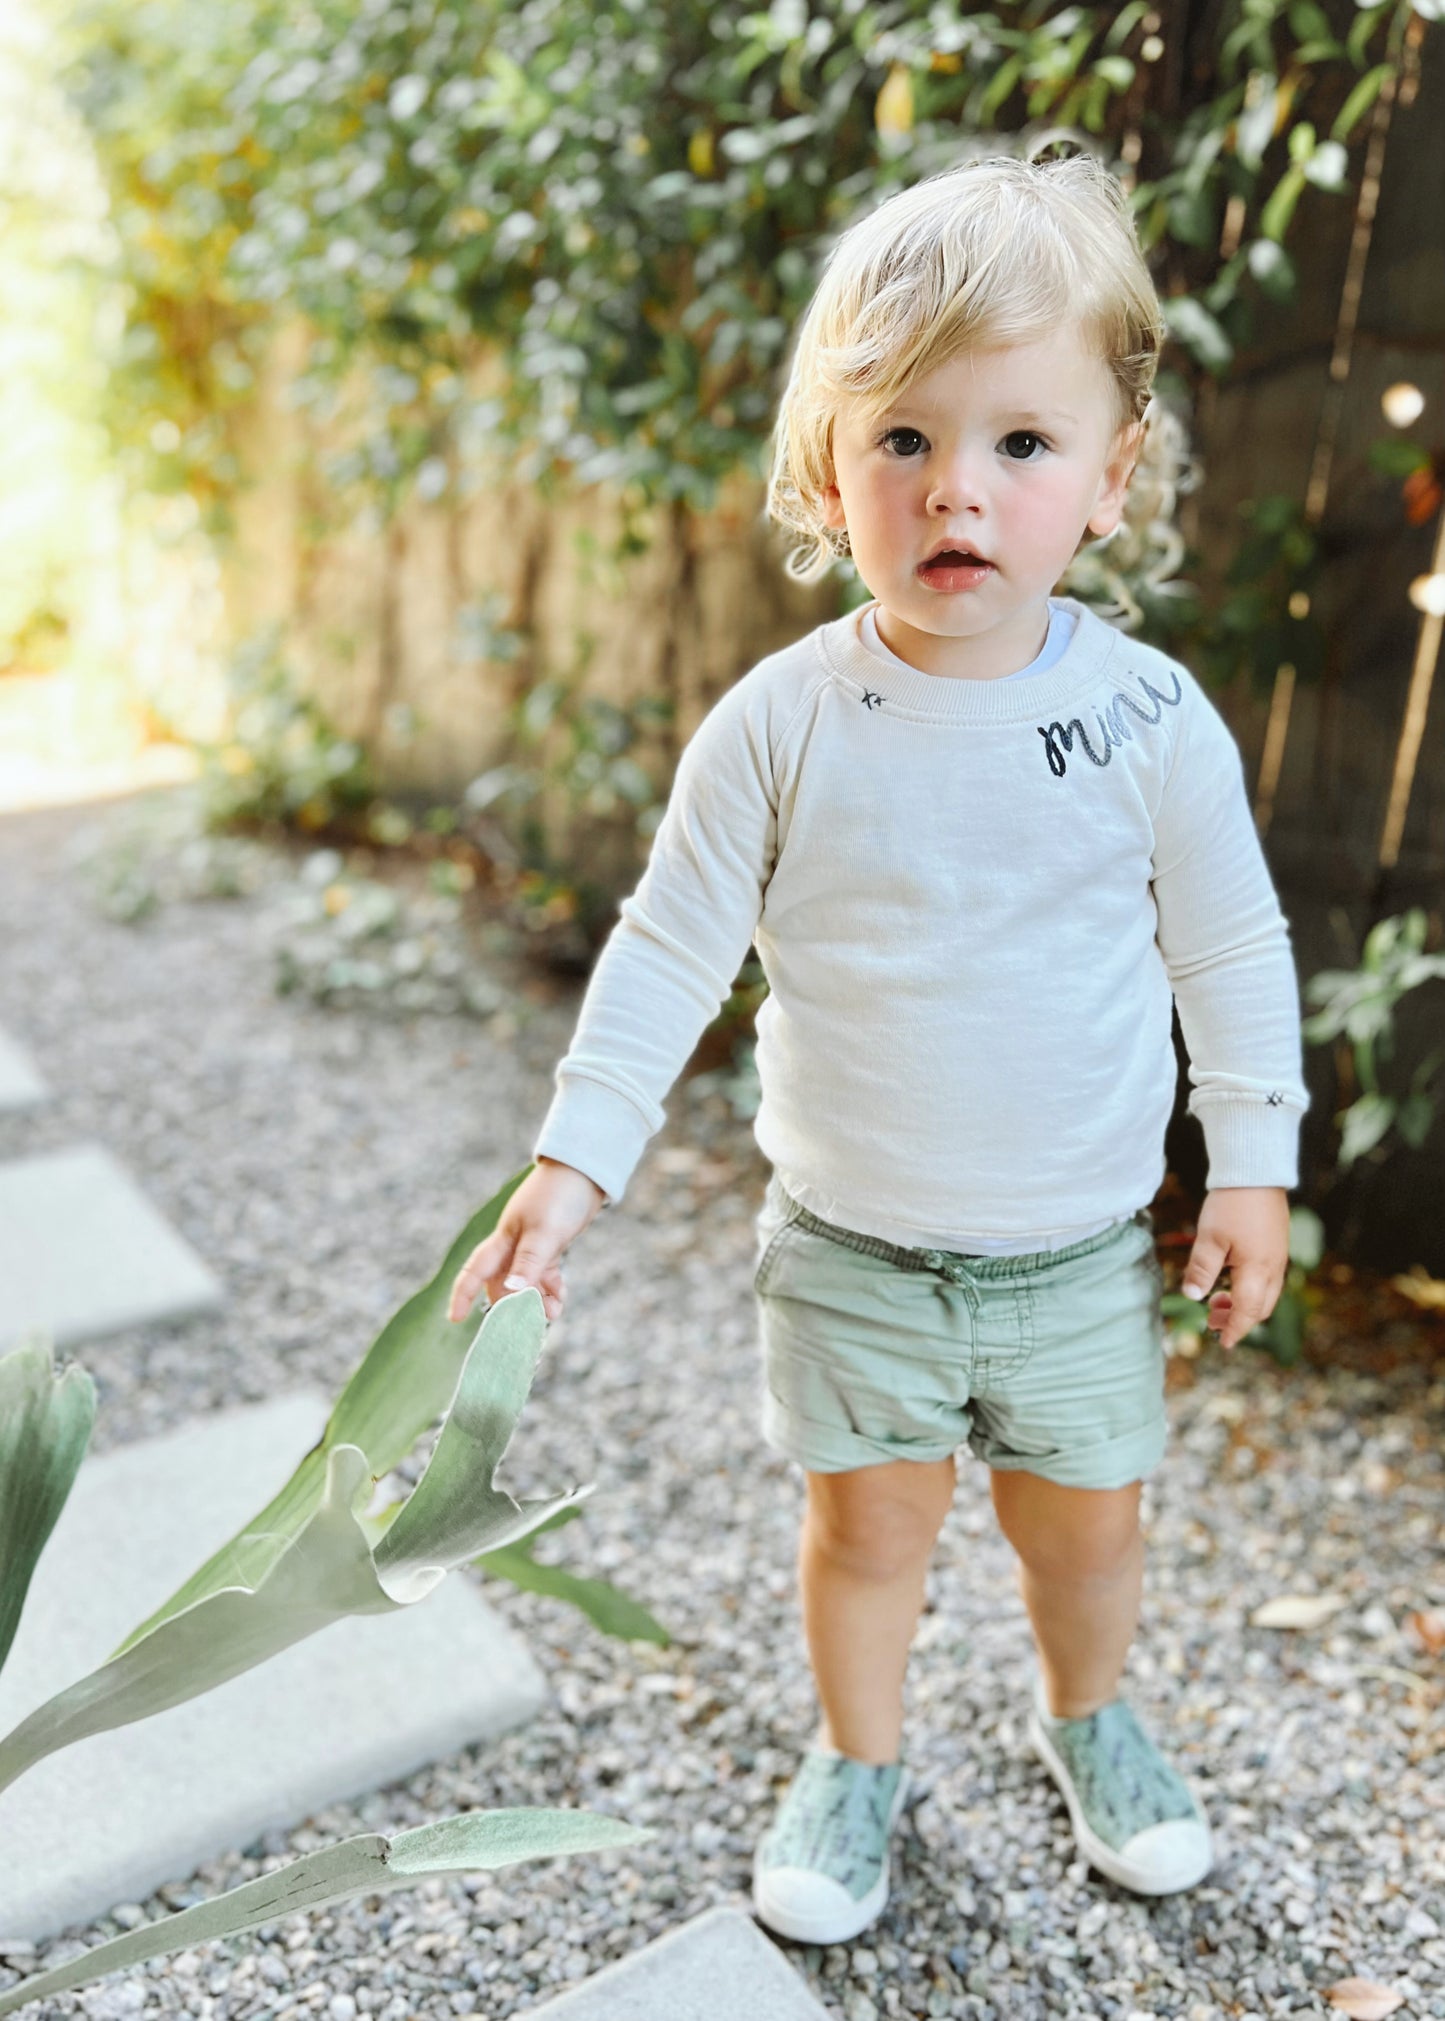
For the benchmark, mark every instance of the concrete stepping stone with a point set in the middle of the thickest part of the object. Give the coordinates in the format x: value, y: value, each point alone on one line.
x: 718, y: 1967
x: 362, y: 1703
x: 83, y: 1252
x: 20, y: 1085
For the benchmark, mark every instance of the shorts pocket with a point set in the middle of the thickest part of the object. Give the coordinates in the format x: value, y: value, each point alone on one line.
x: 774, y: 1243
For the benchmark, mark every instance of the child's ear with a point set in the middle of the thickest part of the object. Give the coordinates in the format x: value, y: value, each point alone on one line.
x: 1114, y: 484
x: 833, y: 507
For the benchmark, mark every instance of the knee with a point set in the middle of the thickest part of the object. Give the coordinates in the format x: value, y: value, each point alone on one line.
x: 1094, y: 1552
x: 872, y: 1534
x: 1073, y: 1534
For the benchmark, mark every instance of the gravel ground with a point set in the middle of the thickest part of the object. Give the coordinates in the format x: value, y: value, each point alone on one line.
x: 321, y: 1161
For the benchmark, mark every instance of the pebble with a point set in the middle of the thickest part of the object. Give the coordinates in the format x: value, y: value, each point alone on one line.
x: 321, y: 1160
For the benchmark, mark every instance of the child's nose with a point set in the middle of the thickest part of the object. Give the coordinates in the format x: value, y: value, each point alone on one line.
x: 958, y: 481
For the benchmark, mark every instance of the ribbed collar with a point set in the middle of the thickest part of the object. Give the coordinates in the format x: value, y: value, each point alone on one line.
x: 944, y: 698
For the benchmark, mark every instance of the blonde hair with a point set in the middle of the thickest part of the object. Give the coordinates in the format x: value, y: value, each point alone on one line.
x: 1000, y: 250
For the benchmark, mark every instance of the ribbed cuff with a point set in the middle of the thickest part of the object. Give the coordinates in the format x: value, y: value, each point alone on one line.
x: 1249, y: 1142
x: 596, y: 1130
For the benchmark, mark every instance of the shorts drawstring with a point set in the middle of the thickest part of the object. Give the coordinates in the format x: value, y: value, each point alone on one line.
x: 957, y: 1272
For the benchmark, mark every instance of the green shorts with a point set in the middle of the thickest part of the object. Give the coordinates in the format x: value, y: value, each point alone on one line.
x: 1052, y: 1362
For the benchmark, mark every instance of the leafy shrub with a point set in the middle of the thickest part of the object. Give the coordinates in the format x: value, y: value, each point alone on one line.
x: 352, y: 942
x: 1359, y: 1007
x: 628, y: 203
x: 283, y: 760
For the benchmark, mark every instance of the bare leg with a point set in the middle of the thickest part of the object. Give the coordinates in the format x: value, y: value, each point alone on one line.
x: 867, y: 1537
x: 1081, y: 1569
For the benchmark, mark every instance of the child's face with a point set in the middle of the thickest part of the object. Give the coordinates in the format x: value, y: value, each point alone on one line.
x: 1008, y: 452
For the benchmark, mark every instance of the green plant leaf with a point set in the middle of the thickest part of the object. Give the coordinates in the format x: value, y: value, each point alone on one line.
x: 1283, y: 1332
x: 328, y: 1568
x: 1193, y: 1311
x: 1362, y: 1126
x: 1306, y: 1237
x: 370, y: 1864
x: 1192, y: 215
x: 456, y: 1510
x: 1273, y: 268
x: 606, y: 1606
x: 1397, y: 456
x: 1369, y: 1017
x: 397, y: 1391
x: 1279, y: 209
x: 1191, y: 324
x: 1417, y: 1113
x: 1327, y: 167
x: 1254, y: 128
x: 1426, y: 1069
x: 45, y: 1424
x: 1359, y: 102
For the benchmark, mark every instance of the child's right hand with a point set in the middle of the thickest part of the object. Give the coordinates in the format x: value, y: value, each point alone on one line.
x: 553, y: 1204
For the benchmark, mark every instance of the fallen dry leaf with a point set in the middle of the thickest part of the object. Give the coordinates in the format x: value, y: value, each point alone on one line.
x: 1364, y: 1999
x: 1297, y: 1610
x: 1429, y: 1627
x: 1421, y: 1289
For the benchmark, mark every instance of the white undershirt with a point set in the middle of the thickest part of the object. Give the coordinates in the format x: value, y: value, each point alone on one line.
x: 1061, y: 630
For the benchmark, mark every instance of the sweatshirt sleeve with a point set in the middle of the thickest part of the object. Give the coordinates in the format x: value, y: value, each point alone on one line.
x: 1226, y: 947
x: 672, y: 957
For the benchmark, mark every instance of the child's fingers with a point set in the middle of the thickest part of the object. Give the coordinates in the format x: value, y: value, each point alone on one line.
x: 483, y: 1263
x: 1253, y: 1295
x: 1206, y: 1260
x: 531, y: 1263
x: 528, y: 1258
x: 526, y: 1274
x: 553, y: 1290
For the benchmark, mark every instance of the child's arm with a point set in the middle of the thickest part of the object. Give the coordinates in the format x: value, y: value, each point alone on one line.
x: 666, y: 968
x: 1226, y: 947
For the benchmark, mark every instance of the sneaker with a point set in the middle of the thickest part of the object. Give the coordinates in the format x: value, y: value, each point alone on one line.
x: 820, y: 1873
x: 1134, y: 1818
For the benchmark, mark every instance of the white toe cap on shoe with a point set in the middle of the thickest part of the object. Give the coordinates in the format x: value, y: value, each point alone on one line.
x: 1166, y: 1857
x: 811, y: 1907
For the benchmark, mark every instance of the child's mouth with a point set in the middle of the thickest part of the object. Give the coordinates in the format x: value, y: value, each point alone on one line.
x: 954, y: 570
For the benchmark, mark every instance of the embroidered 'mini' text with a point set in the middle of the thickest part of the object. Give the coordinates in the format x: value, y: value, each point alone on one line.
x: 1113, y: 726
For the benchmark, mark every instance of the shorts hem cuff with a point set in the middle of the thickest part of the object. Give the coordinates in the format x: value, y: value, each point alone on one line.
x: 1113, y: 1464
x: 820, y: 1449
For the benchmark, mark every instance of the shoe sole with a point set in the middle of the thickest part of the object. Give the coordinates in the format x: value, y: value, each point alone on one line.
x: 1108, y: 1859
x: 823, y: 1928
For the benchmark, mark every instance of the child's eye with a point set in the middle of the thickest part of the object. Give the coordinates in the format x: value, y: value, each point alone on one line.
x: 1025, y: 435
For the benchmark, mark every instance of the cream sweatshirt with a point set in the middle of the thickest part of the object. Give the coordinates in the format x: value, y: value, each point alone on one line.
x: 972, y: 901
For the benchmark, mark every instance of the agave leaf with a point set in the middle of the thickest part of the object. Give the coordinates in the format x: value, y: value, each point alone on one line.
x: 324, y: 1574
x: 45, y: 1423
x: 606, y: 1606
x: 456, y: 1503
x: 370, y: 1864
x: 328, y: 1569
x: 398, y: 1390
